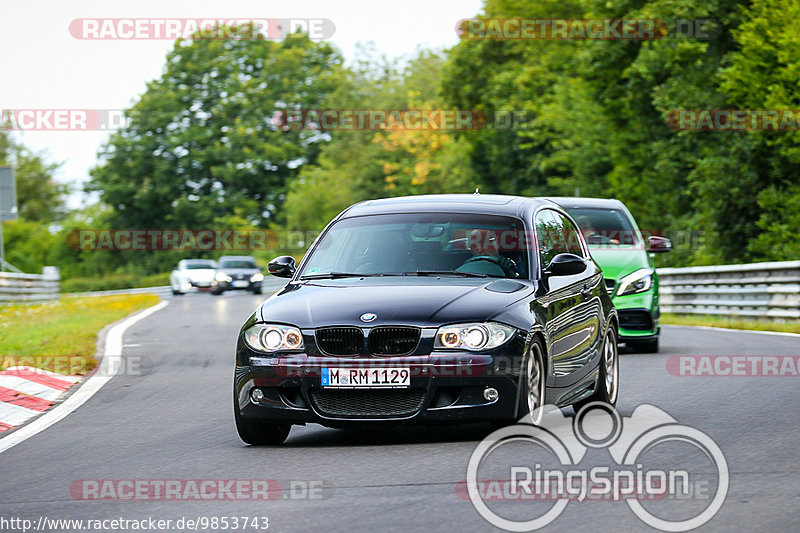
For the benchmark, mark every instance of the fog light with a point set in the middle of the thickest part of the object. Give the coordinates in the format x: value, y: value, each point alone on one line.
x: 490, y: 394
x: 257, y: 395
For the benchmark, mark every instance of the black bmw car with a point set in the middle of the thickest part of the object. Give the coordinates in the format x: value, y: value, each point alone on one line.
x: 427, y: 310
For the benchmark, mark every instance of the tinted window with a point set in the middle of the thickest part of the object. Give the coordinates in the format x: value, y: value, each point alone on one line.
x: 555, y: 235
x: 237, y: 263
x: 603, y: 226
x: 410, y: 242
x: 197, y: 266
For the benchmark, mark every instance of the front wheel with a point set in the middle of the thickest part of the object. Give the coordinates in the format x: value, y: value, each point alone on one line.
x: 648, y: 346
x: 607, y: 387
x: 260, y: 434
x: 532, y: 395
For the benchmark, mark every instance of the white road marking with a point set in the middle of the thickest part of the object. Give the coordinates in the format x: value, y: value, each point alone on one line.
x: 712, y: 328
x: 23, y: 369
x: 30, y: 388
x: 109, y: 366
x: 14, y: 415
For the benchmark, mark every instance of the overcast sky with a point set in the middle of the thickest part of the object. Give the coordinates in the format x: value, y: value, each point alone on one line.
x: 45, y: 67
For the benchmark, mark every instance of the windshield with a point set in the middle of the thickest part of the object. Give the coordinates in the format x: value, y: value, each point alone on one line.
x: 237, y: 263
x: 603, y: 226
x: 422, y: 244
x: 198, y: 266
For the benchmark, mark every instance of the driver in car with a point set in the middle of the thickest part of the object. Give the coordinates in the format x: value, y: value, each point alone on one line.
x: 486, y: 258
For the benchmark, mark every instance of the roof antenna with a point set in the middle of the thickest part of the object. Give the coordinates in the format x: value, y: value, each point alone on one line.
x: 477, y: 192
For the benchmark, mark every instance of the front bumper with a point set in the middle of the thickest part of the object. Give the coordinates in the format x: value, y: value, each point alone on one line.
x: 638, y: 315
x: 446, y: 389
x: 236, y: 285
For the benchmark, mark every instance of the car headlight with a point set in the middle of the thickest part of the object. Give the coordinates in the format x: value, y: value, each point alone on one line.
x: 638, y: 281
x: 222, y: 276
x: 479, y: 336
x: 258, y: 276
x: 273, y: 338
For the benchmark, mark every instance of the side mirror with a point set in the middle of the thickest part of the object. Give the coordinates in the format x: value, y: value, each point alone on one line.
x: 565, y: 265
x: 282, y: 267
x: 658, y: 244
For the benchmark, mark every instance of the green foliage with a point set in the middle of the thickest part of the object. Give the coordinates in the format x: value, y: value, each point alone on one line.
x: 359, y: 165
x: 107, y: 282
x: 598, y: 115
x: 202, y: 143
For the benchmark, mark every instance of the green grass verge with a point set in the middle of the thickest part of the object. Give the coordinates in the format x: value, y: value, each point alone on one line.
x: 61, y: 336
x: 728, y: 322
x: 108, y: 282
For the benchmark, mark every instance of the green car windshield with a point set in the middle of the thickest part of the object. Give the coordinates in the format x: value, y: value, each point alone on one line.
x: 604, y: 227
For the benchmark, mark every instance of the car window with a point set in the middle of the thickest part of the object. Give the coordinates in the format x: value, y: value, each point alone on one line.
x: 237, y: 263
x: 603, y: 226
x: 197, y: 266
x: 570, y: 236
x: 411, y: 242
x: 555, y: 235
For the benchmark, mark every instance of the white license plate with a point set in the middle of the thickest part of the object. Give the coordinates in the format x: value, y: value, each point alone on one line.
x: 241, y: 283
x: 366, y: 378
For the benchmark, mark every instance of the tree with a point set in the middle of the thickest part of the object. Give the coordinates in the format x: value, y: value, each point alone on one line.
x: 40, y: 198
x: 201, y: 141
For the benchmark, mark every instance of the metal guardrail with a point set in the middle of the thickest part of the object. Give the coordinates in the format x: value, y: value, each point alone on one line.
x: 16, y: 287
x: 270, y: 284
x: 764, y: 290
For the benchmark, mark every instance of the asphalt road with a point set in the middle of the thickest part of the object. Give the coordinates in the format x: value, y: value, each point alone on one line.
x: 171, y: 418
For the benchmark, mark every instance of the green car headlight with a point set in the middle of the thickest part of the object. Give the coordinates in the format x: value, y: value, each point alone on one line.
x: 636, y: 282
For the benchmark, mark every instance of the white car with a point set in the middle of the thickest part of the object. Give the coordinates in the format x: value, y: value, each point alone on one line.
x: 192, y: 275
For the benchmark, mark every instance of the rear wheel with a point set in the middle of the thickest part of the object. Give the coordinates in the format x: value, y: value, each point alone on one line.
x: 607, y: 387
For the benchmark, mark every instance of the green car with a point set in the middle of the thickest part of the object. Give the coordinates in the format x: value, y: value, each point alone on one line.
x: 619, y: 247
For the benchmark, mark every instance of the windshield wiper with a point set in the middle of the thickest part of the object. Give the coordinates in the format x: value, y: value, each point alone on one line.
x: 337, y: 275
x: 447, y: 273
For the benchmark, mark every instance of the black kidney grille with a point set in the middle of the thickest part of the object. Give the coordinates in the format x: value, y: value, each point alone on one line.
x: 368, y: 402
x: 340, y: 341
x: 393, y: 340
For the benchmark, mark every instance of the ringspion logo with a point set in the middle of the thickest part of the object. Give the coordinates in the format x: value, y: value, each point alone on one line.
x: 672, y: 477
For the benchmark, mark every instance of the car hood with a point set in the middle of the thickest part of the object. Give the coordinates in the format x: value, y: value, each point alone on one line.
x: 395, y: 301
x: 199, y: 274
x: 619, y: 262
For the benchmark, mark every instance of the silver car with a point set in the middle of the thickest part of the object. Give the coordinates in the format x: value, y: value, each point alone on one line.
x: 192, y: 275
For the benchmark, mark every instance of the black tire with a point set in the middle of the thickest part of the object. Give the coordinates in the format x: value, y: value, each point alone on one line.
x: 257, y: 291
x: 527, y: 402
x: 648, y: 346
x: 602, y: 393
x: 216, y: 292
x: 260, y: 434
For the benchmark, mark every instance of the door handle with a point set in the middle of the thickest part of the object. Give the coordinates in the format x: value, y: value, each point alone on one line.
x: 586, y: 292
